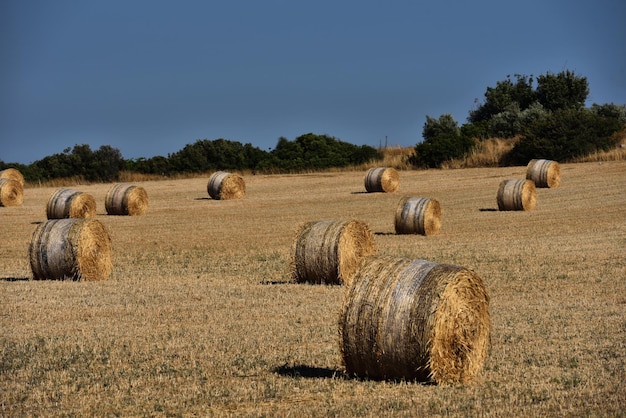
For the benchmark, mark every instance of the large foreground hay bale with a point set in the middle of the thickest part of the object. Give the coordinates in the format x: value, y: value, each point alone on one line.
x: 12, y: 173
x: 328, y: 252
x: 126, y: 199
x: 70, y: 203
x: 74, y: 249
x: 224, y: 186
x: 382, y: 179
x: 418, y: 215
x: 545, y: 173
x: 517, y: 195
x: 11, y: 192
x: 415, y: 319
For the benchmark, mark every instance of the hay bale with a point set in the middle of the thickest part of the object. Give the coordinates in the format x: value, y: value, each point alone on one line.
x: 418, y: 215
x: 415, y: 319
x: 328, y: 252
x: 382, y: 179
x: 74, y: 249
x: 545, y: 173
x: 126, y: 199
x: 224, y: 186
x: 517, y: 195
x: 70, y: 203
x: 11, y: 192
x: 12, y: 173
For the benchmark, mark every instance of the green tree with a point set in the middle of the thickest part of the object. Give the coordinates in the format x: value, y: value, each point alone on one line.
x: 312, y: 151
x: 443, y: 141
x: 564, y: 135
x: 500, y: 98
x: 564, y: 90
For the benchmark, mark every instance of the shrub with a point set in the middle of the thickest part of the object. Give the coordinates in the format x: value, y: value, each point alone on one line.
x: 564, y: 135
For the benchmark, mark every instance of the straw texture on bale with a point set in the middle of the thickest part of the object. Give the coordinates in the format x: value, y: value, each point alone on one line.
x: 70, y: 203
x: 328, y: 252
x: 126, y: 199
x: 382, y: 179
x: 517, y: 195
x: 12, y: 173
x: 418, y: 215
x: 11, y: 192
x: 415, y: 320
x: 545, y: 173
x: 70, y: 249
x: 224, y: 186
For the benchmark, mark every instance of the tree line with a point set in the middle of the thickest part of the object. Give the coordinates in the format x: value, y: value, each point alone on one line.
x: 546, y: 118
x: 306, y: 152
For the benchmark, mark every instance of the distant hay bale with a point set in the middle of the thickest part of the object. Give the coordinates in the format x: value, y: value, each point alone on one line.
x: 224, y: 186
x: 11, y: 192
x: 382, y: 179
x: 418, y: 215
x: 126, y: 199
x: 545, y: 173
x: 12, y: 173
x: 70, y: 203
x: 517, y: 195
x: 72, y: 249
x: 328, y: 252
x: 415, y: 319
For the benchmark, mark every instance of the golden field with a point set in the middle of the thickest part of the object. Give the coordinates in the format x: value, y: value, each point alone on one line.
x: 200, y: 318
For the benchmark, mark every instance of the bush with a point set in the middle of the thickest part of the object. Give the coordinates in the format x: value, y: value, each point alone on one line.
x: 443, y: 141
x: 565, y: 134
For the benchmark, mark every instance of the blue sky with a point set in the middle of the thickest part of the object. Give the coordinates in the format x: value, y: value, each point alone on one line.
x: 149, y: 77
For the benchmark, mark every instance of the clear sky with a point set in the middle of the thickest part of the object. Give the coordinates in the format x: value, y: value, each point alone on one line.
x: 150, y: 76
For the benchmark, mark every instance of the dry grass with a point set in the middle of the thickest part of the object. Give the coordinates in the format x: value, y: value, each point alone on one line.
x: 199, y: 316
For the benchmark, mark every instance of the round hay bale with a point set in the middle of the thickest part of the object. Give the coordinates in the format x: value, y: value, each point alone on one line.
x: 418, y: 215
x: 11, y: 192
x: 517, y: 195
x: 415, y: 319
x: 12, y: 173
x: 224, y: 186
x: 126, y: 199
x: 328, y: 252
x: 70, y: 203
x: 74, y: 249
x: 545, y: 173
x: 382, y: 179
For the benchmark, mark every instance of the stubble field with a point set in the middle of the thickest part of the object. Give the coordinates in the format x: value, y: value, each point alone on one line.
x: 199, y: 316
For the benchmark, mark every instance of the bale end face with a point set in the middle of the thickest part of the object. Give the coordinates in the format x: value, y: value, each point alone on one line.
x: 14, y: 174
x: 11, y: 192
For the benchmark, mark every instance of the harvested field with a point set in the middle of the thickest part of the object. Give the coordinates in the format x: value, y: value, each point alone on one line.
x: 200, y: 317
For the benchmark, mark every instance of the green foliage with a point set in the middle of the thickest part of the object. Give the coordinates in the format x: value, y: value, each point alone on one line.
x: 505, y: 94
x: 218, y: 154
x: 562, y: 91
x: 102, y: 165
x: 565, y: 134
x: 443, y: 141
x: 445, y: 125
x: 512, y: 121
x: 311, y: 151
x: 611, y: 111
